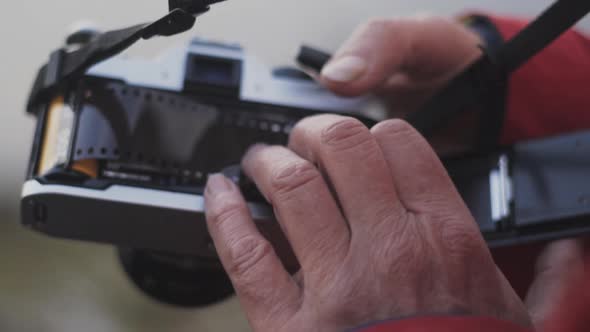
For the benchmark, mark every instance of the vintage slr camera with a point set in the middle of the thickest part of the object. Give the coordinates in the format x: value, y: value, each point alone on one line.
x: 123, y: 148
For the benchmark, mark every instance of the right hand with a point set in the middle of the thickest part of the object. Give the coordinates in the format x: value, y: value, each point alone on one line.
x: 405, y: 61
x: 375, y: 222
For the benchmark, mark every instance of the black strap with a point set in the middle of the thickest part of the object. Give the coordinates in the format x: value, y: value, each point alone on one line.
x: 313, y: 58
x: 560, y: 17
x: 492, y: 113
x: 64, y: 67
x: 479, y: 82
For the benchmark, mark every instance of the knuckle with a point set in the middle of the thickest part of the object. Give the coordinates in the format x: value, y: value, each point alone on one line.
x: 245, y: 255
x: 397, y: 136
x: 293, y: 177
x: 396, y: 129
x: 388, y: 29
x: 345, y: 134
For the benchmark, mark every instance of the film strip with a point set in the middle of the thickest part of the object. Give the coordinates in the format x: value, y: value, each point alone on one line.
x: 136, y: 133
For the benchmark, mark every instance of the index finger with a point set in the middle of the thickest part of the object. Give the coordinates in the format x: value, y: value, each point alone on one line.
x: 263, y: 285
x: 420, y: 47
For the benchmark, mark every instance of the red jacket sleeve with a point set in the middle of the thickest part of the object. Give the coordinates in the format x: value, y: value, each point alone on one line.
x: 446, y: 324
x: 551, y: 93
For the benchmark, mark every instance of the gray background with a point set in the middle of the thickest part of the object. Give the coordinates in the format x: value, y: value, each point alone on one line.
x: 52, y: 285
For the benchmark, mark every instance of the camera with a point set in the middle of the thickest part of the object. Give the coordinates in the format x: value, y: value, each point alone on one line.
x: 123, y: 148
x: 122, y: 155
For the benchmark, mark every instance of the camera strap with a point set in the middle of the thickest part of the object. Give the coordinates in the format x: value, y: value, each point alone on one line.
x: 65, y: 66
x: 479, y: 84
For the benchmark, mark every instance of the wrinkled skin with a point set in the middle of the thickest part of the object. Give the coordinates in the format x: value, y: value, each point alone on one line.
x: 375, y: 222
x: 394, y: 240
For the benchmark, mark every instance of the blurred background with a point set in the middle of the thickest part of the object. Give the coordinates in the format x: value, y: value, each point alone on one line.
x: 53, y: 285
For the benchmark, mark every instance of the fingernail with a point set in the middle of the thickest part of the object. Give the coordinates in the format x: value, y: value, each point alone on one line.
x: 345, y: 69
x: 217, y: 184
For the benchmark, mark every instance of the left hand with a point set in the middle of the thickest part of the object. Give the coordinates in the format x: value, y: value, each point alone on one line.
x: 376, y: 223
x: 404, y: 61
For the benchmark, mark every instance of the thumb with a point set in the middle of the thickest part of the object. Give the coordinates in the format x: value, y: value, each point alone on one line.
x: 421, y: 48
x: 557, y: 265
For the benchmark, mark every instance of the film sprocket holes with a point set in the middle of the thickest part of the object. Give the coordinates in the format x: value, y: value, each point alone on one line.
x: 123, y: 149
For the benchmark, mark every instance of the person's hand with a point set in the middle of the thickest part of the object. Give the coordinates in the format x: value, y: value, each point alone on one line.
x: 375, y: 222
x: 404, y: 61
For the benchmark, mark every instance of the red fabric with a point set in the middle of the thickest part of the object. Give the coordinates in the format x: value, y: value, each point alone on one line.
x: 447, y: 324
x: 571, y: 313
x: 547, y: 96
x: 550, y: 94
x: 518, y: 265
